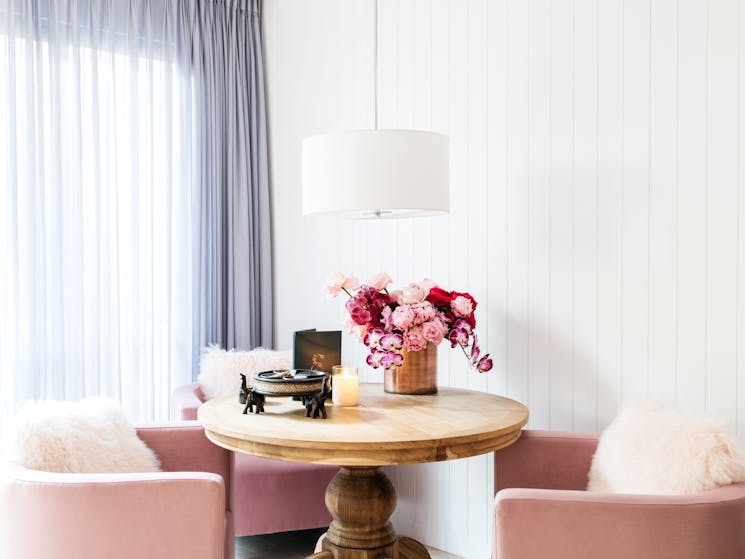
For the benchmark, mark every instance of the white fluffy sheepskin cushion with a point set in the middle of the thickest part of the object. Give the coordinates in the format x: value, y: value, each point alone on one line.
x: 651, y: 449
x: 90, y: 436
x: 220, y: 370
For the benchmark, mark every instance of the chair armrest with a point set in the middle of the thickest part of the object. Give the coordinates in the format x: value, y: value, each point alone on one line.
x: 545, y: 459
x: 183, y: 447
x: 537, y: 523
x: 167, y: 515
x: 186, y: 400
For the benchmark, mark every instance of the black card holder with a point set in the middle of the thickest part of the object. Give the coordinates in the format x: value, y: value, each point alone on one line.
x: 318, y: 351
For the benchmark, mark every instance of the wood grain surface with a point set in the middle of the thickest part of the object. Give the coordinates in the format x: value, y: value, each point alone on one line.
x: 384, y: 429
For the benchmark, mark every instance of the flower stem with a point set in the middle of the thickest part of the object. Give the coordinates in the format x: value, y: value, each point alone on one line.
x: 347, y: 292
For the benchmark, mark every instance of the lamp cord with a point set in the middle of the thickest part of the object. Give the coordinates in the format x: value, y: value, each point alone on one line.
x: 375, y: 64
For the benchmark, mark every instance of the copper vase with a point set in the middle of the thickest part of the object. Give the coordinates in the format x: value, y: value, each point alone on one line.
x: 418, y: 374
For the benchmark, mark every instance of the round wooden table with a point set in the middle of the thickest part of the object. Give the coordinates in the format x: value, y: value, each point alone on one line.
x: 384, y: 429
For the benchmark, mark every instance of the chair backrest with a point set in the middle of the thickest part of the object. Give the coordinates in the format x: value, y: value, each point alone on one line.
x: 181, y: 512
x: 183, y: 447
x: 546, y: 459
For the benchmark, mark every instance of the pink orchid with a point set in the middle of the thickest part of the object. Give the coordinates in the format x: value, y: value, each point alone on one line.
x: 459, y: 337
x: 485, y: 364
x: 352, y: 327
x: 475, y: 350
x: 379, y: 281
x: 372, y: 339
x: 359, y: 331
x: 391, y: 341
x: 463, y: 325
x: 374, y: 357
x: 391, y: 359
x: 384, y: 359
x: 386, y: 317
x: 359, y: 310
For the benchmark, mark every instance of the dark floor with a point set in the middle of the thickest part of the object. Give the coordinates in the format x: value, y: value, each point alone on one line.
x: 287, y: 545
x: 293, y: 545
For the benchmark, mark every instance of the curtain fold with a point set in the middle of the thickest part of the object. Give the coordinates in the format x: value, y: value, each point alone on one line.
x: 235, y: 250
x: 133, y: 196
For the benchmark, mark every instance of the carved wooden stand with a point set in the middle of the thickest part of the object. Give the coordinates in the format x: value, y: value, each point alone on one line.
x: 361, y: 500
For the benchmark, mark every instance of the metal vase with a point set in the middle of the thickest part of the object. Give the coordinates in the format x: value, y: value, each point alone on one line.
x: 418, y: 374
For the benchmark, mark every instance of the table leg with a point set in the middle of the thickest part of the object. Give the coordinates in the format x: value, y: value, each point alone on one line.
x: 409, y: 548
x: 361, y: 501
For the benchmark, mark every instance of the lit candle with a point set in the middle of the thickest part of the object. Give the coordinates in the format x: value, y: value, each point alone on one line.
x: 345, y: 386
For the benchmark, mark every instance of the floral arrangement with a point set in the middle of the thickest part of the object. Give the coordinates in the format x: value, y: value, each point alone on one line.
x: 410, y: 318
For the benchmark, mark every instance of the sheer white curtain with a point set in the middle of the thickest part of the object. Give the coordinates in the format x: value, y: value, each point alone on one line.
x: 98, y: 201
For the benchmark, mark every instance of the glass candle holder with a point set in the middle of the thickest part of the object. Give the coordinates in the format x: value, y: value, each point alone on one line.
x: 345, y: 385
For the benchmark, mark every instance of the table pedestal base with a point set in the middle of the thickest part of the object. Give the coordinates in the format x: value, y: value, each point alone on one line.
x: 361, y: 500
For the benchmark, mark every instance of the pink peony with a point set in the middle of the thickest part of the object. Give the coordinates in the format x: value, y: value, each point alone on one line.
x: 403, y: 317
x: 412, y: 293
x: 434, y: 331
x: 414, y: 339
x: 379, y: 281
x: 338, y: 281
x: 461, y: 306
x: 423, y: 312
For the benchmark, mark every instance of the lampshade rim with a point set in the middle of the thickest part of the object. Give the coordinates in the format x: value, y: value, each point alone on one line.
x: 369, y: 174
x: 376, y: 131
x: 388, y: 213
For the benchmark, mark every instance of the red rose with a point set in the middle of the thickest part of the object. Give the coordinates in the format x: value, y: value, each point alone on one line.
x: 471, y: 318
x: 439, y: 298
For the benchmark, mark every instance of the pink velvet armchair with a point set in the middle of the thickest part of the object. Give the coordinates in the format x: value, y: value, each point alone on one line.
x: 179, y: 513
x: 541, y: 510
x: 268, y: 496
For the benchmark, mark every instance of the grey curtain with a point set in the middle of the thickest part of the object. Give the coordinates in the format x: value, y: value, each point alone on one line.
x: 234, y: 271
x: 134, y: 195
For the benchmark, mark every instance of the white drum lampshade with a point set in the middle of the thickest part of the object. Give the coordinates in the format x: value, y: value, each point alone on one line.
x: 376, y: 173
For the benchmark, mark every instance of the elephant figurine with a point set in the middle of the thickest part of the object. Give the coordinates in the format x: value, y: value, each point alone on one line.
x: 315, y: 405
x: 244, y: 390
x: 253, y: 398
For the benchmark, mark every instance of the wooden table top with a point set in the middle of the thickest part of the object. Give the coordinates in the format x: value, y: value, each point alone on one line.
x: 384, y: 429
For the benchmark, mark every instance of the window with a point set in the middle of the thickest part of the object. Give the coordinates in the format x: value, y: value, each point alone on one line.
x: 97, y: 199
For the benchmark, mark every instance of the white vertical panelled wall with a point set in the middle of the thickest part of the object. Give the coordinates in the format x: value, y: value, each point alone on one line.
x: 596, y: 206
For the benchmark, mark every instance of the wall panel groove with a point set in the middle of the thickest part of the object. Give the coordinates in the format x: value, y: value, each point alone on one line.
x: 596, y: 206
